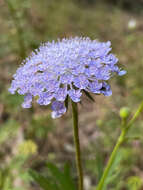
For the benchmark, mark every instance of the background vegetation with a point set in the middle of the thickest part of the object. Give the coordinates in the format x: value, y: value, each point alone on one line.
x: 29, y: 138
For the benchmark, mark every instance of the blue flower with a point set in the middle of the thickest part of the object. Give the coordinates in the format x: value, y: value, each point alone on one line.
x: 64, y: 68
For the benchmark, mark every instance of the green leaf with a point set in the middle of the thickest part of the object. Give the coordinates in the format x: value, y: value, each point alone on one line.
x: 43, y: 181
x: 62, y: 179
x: 59, y: 180
x: 114, y: 170
x: 68, y: 176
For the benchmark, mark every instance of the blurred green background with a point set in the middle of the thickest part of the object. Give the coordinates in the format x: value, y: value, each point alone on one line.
x: 29, y: 138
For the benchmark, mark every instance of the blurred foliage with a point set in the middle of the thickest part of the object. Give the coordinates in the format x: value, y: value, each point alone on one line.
x: 24, y: 25
x: 27, y: 148
x: 8, y: 129
x: 57, y: 180
x: 128, y: 4
x: 13, y: 175
x: 134, y: 183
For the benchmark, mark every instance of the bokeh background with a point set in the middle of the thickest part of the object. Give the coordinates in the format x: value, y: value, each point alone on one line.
x: 29, y: 138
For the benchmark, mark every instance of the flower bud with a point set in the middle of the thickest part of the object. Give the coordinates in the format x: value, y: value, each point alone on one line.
x: 124, y: 112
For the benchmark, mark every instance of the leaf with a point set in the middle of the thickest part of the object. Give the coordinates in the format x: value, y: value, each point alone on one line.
x: 43, y: 181
x: 62, y: 179
x: 114, y: 170
x: 68, y: 176
x: 59, y: 180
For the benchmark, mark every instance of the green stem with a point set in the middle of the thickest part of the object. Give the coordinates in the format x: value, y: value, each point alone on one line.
x: 135, y: 116
x: 77, y: 145
x: 111, y: 160
x: 17, y: 23
x: 117, y: 146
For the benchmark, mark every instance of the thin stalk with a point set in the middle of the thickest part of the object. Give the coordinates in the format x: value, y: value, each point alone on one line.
x: 120, y: 140
x: 135, y: 116
x: 17, y: 23
x: 111, y: 160
x: 77, y: 145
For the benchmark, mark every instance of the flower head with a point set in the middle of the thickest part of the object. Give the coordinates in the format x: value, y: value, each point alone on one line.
x: 64, y: 68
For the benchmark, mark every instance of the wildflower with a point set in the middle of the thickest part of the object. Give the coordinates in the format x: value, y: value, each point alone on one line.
x: 64, y: 68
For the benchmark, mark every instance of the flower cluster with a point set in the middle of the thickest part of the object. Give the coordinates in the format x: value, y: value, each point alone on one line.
x: 65, y: 68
